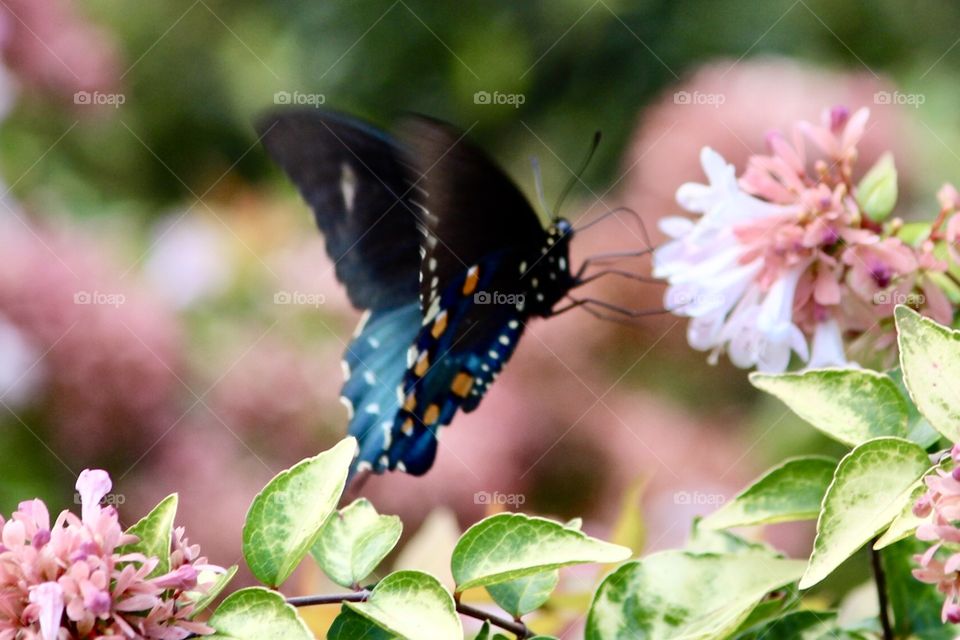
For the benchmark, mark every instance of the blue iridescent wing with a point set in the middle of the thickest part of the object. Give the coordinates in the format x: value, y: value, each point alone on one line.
x: 413, y: 365
x: 463, y: 344
x: 354, y: 178
x: 374, y: 364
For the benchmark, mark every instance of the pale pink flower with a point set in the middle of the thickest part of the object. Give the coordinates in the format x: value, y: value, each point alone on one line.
x: 48, y: 599
x: 941, y: 505
x: 73, y: 580
x: 93, y: 485
x: 784, y: 256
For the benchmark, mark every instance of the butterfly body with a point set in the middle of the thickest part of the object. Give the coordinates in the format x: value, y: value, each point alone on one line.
x: 445, y: 254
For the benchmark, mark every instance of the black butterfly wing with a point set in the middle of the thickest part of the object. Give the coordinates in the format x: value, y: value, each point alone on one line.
x: 473, y: 209
x: 478, y: 231
x: 354, y: 178
x: 457, y: 355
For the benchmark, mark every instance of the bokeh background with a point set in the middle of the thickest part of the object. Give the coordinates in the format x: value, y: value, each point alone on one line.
x: 144, y: 239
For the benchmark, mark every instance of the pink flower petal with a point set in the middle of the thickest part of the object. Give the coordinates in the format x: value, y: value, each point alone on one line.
x: 49, y: 598
x: 93, y: 485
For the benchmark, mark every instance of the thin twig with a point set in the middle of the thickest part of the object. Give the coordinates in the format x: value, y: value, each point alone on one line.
x: 309, y: 601
x: 881, y: 579
x: 513, y: 626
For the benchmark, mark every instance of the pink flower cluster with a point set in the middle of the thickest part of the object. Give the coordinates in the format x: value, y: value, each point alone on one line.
x: 74, y: 580
x: 941, y: 504
x: 786, y: 254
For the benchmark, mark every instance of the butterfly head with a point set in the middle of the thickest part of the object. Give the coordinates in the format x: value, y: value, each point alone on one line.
x: 561, y: 227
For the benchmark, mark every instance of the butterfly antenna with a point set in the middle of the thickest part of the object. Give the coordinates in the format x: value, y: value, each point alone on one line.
x: 576, y: 177
x: 538, y: 181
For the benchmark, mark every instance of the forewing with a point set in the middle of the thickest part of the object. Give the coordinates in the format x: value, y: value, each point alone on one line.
x: 353, y: 177
x: 472, y: 210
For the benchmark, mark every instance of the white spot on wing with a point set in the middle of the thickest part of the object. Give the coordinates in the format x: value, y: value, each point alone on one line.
x: 387, y: 433
x: 433, y: 310
x: 362, y: 324
x: 345, y: 401
x: 348, y: 186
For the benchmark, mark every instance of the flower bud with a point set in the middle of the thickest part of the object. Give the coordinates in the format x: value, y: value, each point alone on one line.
x: 877, y: 191
x: 952, y: 614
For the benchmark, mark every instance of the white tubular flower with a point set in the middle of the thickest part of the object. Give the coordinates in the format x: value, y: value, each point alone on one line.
x: 713, y: 276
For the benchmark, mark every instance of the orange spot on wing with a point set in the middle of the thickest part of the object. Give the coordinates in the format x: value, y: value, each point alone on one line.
x: 407, y: 426
x: 431, y: 414
x: 470, y: 283
x: 462, y: 384
x: 439, y: 325
x: 422, y: 364
x: 410, y: 403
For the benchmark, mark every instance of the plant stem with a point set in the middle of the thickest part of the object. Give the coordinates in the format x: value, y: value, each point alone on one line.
x: 310, y: 601
x: 881, y: 580
x: 515, y: 627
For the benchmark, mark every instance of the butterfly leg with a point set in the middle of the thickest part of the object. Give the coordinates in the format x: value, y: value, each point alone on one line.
x: 614, y: 212
x: 625, y: 314
x: 619, y: 272
x: 613, y: 255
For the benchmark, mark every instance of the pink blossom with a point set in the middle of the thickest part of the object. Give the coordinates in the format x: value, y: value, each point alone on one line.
x: 953, y: 236
x: 48, y: 599
x: 74, y: 579
x: 93, y: 485
x: 782, y: 260
x: 941, y: 506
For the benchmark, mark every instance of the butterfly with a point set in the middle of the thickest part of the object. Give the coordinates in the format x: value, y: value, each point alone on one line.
x: 444, y: 254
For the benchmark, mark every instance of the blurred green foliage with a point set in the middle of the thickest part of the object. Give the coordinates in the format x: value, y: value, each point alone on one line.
x: 196, y: 73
